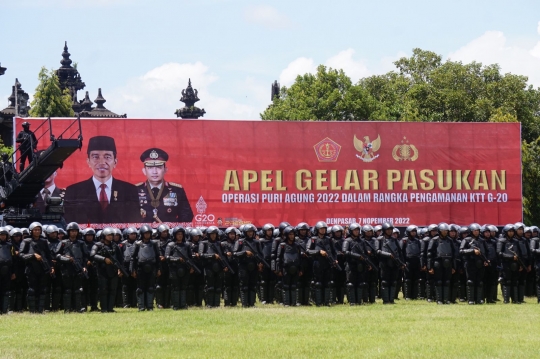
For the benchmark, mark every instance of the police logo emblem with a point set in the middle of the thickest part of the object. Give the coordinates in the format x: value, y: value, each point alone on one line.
x: 154, y: 155
x: 405, y: 151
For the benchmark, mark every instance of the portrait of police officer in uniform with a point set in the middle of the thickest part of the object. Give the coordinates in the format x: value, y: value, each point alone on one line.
x: 159, y: 200
x: 101, y: 198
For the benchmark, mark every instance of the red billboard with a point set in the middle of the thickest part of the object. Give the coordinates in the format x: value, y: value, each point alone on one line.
x: 209, y: 172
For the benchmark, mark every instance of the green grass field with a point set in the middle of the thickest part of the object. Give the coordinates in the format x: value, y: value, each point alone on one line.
x: 405, y: 330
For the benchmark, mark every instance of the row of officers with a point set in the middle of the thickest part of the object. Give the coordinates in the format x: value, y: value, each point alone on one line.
x: 46, y: 268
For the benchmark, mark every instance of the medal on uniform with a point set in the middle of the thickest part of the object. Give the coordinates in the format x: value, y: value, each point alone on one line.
x: 155, y: 201
x: 115, y: 194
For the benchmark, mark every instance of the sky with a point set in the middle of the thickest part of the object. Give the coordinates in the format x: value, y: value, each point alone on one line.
x: 141, y: 53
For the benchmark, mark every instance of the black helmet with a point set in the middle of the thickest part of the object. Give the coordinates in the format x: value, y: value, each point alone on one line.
x: 212, y: 229
x: 337, y: 228
x: 422, y: 232
x: 130, y: 230
x: 25, y: 124
x: 377, y: 228
x: 320, y: 225
x: 229, y: 230
x: 354, y: 226
x: 281, y: 226
x: 249, y: 227
x: 386, y: 226
x: 162, y: 228
x: 107, y: 231
x: 302, y: 225
x: 474, y: 227
x: 432, y: 227
x: 89, y: 231
x: 455, y: 228
x: 444, y: 227
x: 410, y: 229
x: 276, y: 232
x: 508, y: 228
x: 287, y: 230
x: 366, y: 228
x: 493, y: 228
x: 145, y: 229
x: 178, y: 229
x: 52, y: 228
x: 72, y: 225
x: 268, y: 226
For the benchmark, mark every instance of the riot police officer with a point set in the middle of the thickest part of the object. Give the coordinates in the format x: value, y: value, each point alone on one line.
x: 289, y: 257
x: 357, y: 265
x: 491, y: 276
x: 163, y: 287
x: 432, y: 231
x: 535, y: 256
x: 267, y: 281
x: 372, y: 276
x: 523, y: 252
x: 37, y: 256
x: 441, y: 255
x: 231, y: 281
x: 305, y: 281
x: 7, y: 274
x: 391, y: 261
x: 340, y: 277
x: 512, y: 266
x: 129, y: 284
x: 179, y: 256
x: 104, y: 254
x: 247, y: 251
x: 73, y: 258
x: 411, y: 248
x: 19, y: 284
x: 90, y: 284
x: 323, y: 252
x: 215, y: 266
x: 195, y: 293
x: 55, y: 283
x: 145, y: 267
x: 474, y: 250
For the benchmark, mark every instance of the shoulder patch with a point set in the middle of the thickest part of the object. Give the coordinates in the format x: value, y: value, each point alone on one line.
x: 175, y: 184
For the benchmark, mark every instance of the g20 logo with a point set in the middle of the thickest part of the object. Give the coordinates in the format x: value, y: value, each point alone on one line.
x: 205, y: 218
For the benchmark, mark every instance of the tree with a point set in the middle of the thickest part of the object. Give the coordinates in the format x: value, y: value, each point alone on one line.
x: 424, y: 88
x: 49, y: 100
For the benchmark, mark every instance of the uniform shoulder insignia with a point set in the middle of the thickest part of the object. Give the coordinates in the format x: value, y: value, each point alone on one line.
x: 139, y: 184
x: 175, y: 184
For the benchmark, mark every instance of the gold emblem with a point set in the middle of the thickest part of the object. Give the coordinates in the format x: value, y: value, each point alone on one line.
x: 327, y: 150
x: 143, y: 213
x: 405, y: 151
x: 367, y: 148
x: 154, y: 155
x: 115, y: 194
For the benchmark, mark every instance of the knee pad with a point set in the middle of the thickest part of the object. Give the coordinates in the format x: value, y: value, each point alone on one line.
x: 446, y: 283
x: 350, y: 285
x: 470, y: 282
x: 286, y: 287
x: 244, y: 289
x: 151, y: 290
x: 293, y: 287
x: 67, y: 292
x: 480, y: 284
x: 31, y: 292
x: 318, y: 285
x: 158, y: 287
x: 384, y: 283
x: 139, y: 291
x: 394, y: 283
x: 209, y: 289
x: 331, y: 284
x: 439, y: 283
x: 262, y: 282
x: 80, y: 290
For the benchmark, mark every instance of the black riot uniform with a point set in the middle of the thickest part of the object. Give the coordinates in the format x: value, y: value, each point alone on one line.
x: 289, y: 265
x: 491, y: 276
x: 323, y: 252
x: 512, y: 266
x: 27, y: 145
x: 129, y: 284
x: 55, y: 283
x: 432, y: 231
x: 7, y: 255
x: 267, y: 281
x: 246, y: 251
x: 101, y: 254
x: 530, y: 280
x: 231, y: 281
x: 73, y: 258
x: 305, y: 281
x: 411, y: 247
x: 473, y: 249
x: 19, y: 285
x: 535, y: 257
x: 441, y: 255
x: 37, y: 270
x: 163, y: 285
x: 372, y: 246
x: 90, y: 284
x: 215, y: 266
x: 278, y: 291
x: 356, y: 267
x: 455, y: 278
x: 340, y: 277
x: 145, y: 266
x: 524, y: 254
x: 391, y: 259
x: 179, y: 256
x: 195, y: 293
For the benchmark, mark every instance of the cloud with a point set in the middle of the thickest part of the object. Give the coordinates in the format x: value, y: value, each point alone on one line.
x: 267, y: 16
x: 300, y: 66
x: 344, y: 60
x: 493, y: 47
x: 156, y: 94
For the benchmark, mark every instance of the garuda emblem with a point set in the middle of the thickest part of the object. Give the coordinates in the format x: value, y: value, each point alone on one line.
x: 367, y: 148
x: 405, y: 151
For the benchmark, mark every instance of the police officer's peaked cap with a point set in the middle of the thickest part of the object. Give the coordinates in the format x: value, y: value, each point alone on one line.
x: 101, y: 143
x: 154, y: 157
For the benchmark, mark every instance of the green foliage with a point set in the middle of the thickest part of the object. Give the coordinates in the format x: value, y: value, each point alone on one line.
x: 49, y: 100
x: 5, y: 149
x: 414, y: 329
x: 426, y: 89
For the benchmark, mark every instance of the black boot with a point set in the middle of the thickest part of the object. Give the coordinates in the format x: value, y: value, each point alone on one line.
x: 294, y: 296
x: 429, y: 294
x: 41, y: 303
x: 506, y: 294
x: 407, y: 288
x: 351, y: 294
x: 5, y: 302
x: 159, y: 294
x: 252, y: 297
x: 271, y: 293
x: 244, y: 297
x: 480, y: 294
x: 521, y: 293
x: 262, y: 292
x: 470, y: 293
x: 515, y: 295
x: 359, y: 294
x: 392, y: 294
x: 125, y: 297
x: 421, y: 289
x: 183, y: 299
x: 307, y: 291
x: 199, y: 295
x: 372, y: 292
x: 67, y: 301
x: 55, y: 299
x: 318, y: 297
x: 227, y: 299
x: 32, y: 305
x: 235, y: 293
x: 175, y: 298
x: 111, y: 302
x: 217, y: 298
x: 286, y: 296
x: 446, y: 294
x: 140, y: 300
x: 328, y: 297
x: 385, y: 294
x: 454, y: 289
x: 438, y: 294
